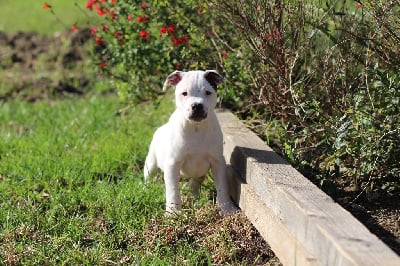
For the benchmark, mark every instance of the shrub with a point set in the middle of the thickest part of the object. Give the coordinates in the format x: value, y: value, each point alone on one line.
x: 329, y: 72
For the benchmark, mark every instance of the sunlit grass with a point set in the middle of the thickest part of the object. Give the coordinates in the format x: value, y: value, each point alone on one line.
x: 22, y: 15
x: 72, y: 189
x: 71, y: 185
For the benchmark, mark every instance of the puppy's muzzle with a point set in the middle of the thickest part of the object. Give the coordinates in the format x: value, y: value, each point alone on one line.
x: 198, y: 113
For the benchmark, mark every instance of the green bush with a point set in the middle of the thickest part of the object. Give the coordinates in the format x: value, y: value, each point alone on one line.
x: 328, y: 70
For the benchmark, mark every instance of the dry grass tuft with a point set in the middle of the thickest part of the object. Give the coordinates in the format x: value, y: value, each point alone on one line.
x: 227, y: 239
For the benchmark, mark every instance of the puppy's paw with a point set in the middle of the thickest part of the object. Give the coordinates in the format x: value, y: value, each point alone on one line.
x: 172, y: 210
x: 228, y: 208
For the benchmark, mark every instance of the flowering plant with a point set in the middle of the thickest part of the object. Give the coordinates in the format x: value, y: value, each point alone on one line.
x: 140, y: 43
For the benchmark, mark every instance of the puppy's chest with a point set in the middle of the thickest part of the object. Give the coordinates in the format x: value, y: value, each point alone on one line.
x: 198, y: 157
x: 195, y: 165
x: 201, y: 147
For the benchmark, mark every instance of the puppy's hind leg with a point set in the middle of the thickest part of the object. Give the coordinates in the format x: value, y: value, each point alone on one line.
x: 195, y: 184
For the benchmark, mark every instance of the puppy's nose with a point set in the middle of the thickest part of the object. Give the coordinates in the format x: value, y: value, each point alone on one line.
x: 197, y: 107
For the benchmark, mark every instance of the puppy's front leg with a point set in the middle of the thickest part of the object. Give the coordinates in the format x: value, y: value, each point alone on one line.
x: 171, y: 180
x: 219, y: 173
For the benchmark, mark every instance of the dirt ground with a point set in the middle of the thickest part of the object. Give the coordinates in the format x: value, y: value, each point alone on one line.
x: 34, y: 67
x: 379, y: 212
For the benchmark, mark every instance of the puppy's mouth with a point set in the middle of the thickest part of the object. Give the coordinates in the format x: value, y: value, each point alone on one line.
x: 198, y: 117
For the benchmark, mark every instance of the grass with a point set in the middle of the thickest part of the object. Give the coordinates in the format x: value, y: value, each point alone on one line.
x: 72, y: 188
x: 72, y: 192
x: 71, y: 180
x: 22, y: 15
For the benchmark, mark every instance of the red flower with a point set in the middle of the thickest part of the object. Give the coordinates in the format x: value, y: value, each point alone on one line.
x: 184, y: 39
x: 171, y: 29
x: 113, y: 1
x: 178, y: 41
x: 46, y: 6
x: 100, y: 10
x: 99, y: 41
x: 144, y: 34
x: 130, y: 17
x: 175, y: 41
x: 103, y: 1
x: 142, y: 19
x: 90, y: 3
x: 102, y: 65
x: 93, y: 31
x: 144, y: 5
x: 163, y: 29
x: 358, y: 5
x: 74, y: 27
x: 225, y: 56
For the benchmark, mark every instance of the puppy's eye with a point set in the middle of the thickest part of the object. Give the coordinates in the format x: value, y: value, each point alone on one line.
x: 208, y: 92
x: 184, y: 93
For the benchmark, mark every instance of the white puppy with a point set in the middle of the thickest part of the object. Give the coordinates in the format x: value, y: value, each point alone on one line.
x: 190, y: 144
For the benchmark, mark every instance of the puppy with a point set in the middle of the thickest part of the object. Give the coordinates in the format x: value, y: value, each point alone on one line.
x: 190, y: 143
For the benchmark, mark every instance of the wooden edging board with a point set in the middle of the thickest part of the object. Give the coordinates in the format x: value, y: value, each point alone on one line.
x: 302, y: 224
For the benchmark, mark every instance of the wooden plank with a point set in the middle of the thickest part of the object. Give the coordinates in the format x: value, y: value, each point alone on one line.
x: 310, y: 224
x: 271, y: 228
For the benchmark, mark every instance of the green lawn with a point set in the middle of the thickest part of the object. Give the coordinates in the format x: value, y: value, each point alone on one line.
x: 71, y: 186
x: 23, y: 15
x: 72, y: 191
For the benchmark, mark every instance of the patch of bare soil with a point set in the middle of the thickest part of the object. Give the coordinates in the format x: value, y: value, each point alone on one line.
x: 34, y: 67
x: 227, y: 239
x: 378, y: 210
x: 383, y: 221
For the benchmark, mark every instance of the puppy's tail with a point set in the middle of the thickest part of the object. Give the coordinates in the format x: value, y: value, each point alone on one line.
x: 150, y: 165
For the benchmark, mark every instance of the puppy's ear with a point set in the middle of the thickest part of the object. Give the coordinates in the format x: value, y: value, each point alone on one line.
x: 173, y: 79
x: 213, y: 77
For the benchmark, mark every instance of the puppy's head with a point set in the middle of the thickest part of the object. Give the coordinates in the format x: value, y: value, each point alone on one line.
x: 195, y: 92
